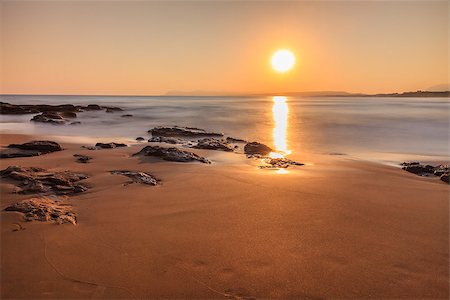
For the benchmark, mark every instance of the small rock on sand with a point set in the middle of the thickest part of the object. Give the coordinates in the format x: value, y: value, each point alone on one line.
x: 110, y: 145
x: 213, y: 144
x: 138, y: 177
x: 33, y: 148
x: 82, y: 158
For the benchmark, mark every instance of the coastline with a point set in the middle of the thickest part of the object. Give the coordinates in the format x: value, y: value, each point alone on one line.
x: 336, y: 227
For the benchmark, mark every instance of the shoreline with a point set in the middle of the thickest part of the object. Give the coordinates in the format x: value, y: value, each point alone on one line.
x: 334, y: 227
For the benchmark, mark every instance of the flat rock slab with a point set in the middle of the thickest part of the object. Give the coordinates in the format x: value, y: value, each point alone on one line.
x: 42, y: 146
x: 34, y: 180
x: 442, y: 171
x: 172, y: 154
x: 33, y: 148
x: 45, y: 210
x: 137, y: 177
x: 181, y: 131
x: 257, y: 148
x: 109, y: 145
x: 213, y: 144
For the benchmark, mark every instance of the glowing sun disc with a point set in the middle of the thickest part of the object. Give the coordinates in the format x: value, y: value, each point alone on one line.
x: 283, y: 60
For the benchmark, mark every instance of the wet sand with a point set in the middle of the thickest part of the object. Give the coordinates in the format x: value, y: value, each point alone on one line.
x: 334, y: 228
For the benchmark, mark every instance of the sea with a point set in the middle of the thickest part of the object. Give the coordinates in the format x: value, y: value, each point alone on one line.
x: 384, y: 129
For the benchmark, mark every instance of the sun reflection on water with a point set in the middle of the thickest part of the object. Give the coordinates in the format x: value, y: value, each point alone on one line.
x: 280, y: 111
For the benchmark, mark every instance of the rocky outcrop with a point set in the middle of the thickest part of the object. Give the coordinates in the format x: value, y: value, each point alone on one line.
x: 44, y: 210
x: 37, y: 180
x: 213, y: 144
x: 182, y: 132
x: 82, y: 158
x: 109, y: 145
x: 172, y: 154
x: 140, y: 138
x: 52, y: 118
x: 137, y: 177
x: 13, y: 109
x: 442, y: 171
x: 127, y: 116
x: 256, y: 148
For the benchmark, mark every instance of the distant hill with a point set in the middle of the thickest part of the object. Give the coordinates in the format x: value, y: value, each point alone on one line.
x: 416, y: 94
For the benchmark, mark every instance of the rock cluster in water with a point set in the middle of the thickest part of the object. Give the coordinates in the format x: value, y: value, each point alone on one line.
x: 137, y: 177
x: 33, y: 148
x: 442, y: 171
x: 34, y: 180
x: 53, y: 114
x: 45, y: 209
x: 256, y: 148
x: 172, y: 154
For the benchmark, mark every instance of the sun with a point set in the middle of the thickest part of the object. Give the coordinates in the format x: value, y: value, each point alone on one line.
x: 283, y: 60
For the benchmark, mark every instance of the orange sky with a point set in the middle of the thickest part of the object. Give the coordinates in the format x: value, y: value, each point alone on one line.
x: 144, y: 48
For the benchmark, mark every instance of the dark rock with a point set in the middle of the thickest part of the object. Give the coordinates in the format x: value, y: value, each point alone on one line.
x: 75, y: 123
x: 49, y: 119
x: 140, y: 138
x: 181, y: 131
x: 127, y: 116
x: 112, y: 109
x: 441, y: 169
x: 82, y: 158
x: 109, y: 145
x: 92, y: 107
x: 212, y: 144
x: 256, y: 148
x: 68, y: 114
x: 235, y: 140
x: 162, y: 139
x: 45, y: 209
x: 37, y: 180
x: 417, y: 168
x: 445, y: 178
x: 41, y: 146
x: 138, y: 177
x: 172, y: 154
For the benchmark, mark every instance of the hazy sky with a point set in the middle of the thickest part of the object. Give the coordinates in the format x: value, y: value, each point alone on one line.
x: 148, y: 47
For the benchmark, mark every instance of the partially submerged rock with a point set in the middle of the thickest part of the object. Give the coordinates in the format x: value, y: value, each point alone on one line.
x: 110, y: 145
x: 44, y: 210
x: 442, y: 171
x: 49, y: 118
x: 172, y: 154
x: 127, y: 116
x: 137, y: 177
x: 38, y: 180
x: 112, y: 109
x: 82, y: 158
x: 181, y: 131
x: 213, y: 144
x: 140, y: 138
x: 39, y: 147
x: 256, y: 148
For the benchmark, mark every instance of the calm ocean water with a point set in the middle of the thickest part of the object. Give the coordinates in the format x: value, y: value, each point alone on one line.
x: 387, y: 129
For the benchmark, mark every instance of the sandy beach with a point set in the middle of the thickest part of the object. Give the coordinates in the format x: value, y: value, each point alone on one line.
x: 336, y: 227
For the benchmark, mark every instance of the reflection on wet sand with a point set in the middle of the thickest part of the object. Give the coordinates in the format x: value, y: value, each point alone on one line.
x: 280, y: 112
